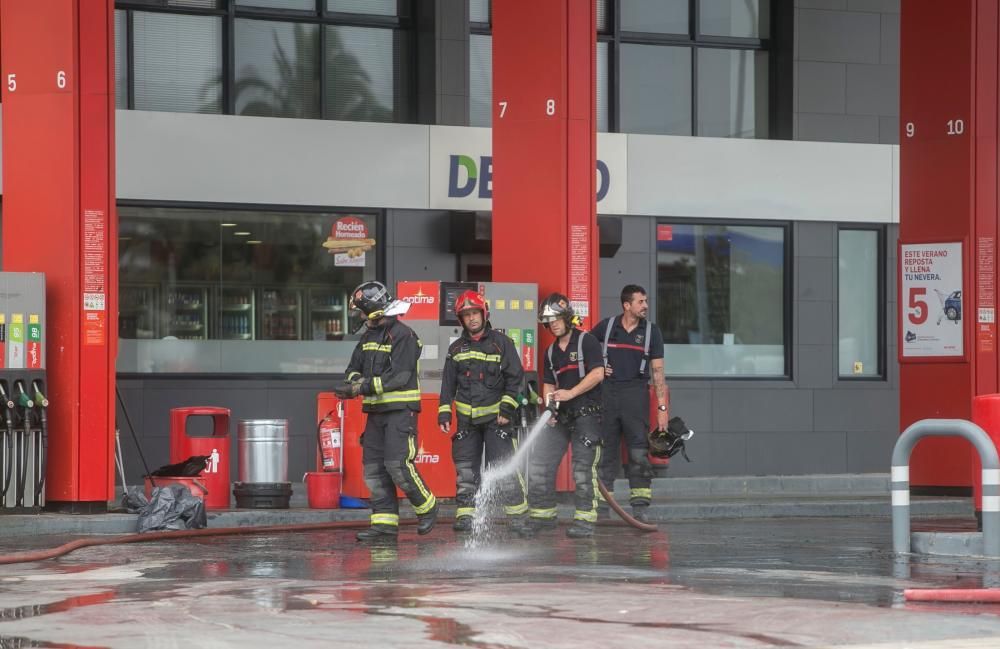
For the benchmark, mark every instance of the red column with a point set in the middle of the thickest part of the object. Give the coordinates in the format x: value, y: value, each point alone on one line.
x: 948, y: 192
x: 58, y: 218
x: 545, y: 148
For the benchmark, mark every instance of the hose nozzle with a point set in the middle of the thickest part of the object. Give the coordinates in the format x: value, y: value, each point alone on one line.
x: 39, y: 397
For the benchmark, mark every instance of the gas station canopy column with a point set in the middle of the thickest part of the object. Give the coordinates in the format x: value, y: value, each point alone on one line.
x: 545, y: 148
x: 57, y: 68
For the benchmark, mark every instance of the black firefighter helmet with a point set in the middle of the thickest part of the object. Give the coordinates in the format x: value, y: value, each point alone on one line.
x: 370, y: 300
x: 670, y: 442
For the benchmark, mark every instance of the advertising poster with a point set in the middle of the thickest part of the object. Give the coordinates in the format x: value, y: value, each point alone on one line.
x: 348, y: 242
x: 931, y: 300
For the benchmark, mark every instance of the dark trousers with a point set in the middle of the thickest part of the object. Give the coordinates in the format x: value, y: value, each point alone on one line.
x: 467, y: 448
x: 388, y: 448
x: 583, y: 436
x: 626, y: 415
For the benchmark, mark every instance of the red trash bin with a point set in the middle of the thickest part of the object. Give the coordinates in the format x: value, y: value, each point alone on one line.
x: 986, y: 415
x: 215, y: 446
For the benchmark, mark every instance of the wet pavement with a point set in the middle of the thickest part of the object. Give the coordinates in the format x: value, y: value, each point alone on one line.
x: 723, y: 583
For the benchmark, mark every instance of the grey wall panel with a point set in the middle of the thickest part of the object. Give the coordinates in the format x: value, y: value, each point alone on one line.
x: 694, y: 406
x: 815, y: 366
x: 423, y: 263
x: 846, y: 62
x: 869, y: 452
x: 815, y: 239
x: 756, y: 411
x: 770, y: 453
x: 840, y: 36
x: 420, y: 228
x: 716, y: 454
x: 815, y: 279
x: 821, y: 87
x: 859, y: 409
x: 816, y: 325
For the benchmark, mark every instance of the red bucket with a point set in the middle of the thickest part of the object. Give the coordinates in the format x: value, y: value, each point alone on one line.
x: 323, y: 489
x: 195, y: 485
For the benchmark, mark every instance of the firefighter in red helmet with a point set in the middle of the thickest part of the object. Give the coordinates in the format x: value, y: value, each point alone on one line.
x: 482, y: 377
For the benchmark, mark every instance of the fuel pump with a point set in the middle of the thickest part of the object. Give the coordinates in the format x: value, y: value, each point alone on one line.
x: 22, y: 392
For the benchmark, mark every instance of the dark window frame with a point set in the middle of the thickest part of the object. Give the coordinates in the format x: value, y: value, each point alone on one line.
x: 787, y: 323
x: 228, y: 10
x: 881, y: 277
x: 695, y: 41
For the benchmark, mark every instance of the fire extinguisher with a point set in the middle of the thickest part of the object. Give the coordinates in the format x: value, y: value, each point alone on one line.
x: 330, y: 443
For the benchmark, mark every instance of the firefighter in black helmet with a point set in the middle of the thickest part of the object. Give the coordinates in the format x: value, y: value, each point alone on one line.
x: 482, y: 376
x: 573, y: 371
x: 383, y: 371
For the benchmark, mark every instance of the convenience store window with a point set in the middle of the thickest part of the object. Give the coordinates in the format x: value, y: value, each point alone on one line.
x: 206, y: 290
x: 723, y: 299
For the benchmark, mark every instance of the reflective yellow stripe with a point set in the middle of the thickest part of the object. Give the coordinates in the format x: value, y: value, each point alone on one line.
x: 597, y: 489
x: 477, y: 411
x: 543, y: 513
x: 509, y: 400
x: 377, y: 384
x: 375, y: 347
x: 394, y: 397
x: 581, y: 515
x: 515, y: 510
x: 478, y: 356
x: 444, y: 407
x: 429, y: 499
x: 351, y: 375
x: 641, y: 493
x: 385, y: 519
x: 465, y: 511
x: 523, y: 507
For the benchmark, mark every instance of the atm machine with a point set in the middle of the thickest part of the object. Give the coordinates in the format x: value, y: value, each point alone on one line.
x: 24, y: 424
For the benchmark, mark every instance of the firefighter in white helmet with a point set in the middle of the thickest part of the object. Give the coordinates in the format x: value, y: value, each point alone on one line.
x: 572, y: 373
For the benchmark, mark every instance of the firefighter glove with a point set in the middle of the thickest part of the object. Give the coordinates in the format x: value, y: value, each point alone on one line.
x: 347, y: 390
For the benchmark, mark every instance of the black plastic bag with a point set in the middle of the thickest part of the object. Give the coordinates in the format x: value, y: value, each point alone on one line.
x: 170, y: 508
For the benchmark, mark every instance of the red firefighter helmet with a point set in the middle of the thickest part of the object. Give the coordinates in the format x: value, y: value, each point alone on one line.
x: 470, y: 300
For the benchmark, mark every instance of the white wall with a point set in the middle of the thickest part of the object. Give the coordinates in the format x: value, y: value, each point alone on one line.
x: 214, y: 158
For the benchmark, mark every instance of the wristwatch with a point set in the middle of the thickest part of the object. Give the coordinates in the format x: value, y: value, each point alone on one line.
x: 661, y: 408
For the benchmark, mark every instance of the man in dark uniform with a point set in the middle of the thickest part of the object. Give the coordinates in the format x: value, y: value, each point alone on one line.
x: 482, y: 377
x: 383, y: 370
x: 573, y: 371
x: 632, y: 347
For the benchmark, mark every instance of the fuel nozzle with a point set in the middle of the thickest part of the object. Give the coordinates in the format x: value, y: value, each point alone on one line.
x: 40, y: 399
x: 22, y: 397
x: 4, y: 396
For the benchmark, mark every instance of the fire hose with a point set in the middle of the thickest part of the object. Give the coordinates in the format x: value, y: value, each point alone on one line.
x: 543, y: 419
x: 183, y: 535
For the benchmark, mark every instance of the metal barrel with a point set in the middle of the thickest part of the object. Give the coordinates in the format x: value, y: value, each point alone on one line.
x: 263, y: 450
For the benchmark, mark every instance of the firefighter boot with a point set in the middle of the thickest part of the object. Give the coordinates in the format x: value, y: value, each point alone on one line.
x: 519, y: 526
x: 378, y: 533
x: 462, y: 524
x: 640, y: 513
x: 580, y: 530
x: 425, y: 522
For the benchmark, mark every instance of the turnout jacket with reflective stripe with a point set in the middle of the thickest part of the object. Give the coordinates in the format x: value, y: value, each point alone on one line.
x: 481, y: 377
x: 386, y: 361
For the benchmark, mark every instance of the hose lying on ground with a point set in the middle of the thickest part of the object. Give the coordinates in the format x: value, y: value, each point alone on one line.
x: 645, y: 527
x: 984, y: 595
x: 183, y: 535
